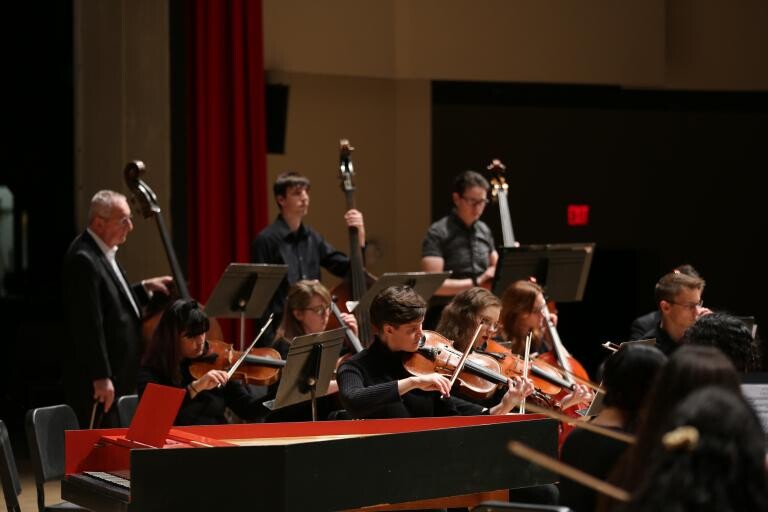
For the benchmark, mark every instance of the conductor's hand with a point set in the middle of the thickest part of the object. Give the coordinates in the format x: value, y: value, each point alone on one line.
x: 351, y: 322
x: 210, y: 380
x: 158, y: 284
x: 427, y: 382
x: 354, y: 219
x: 104, y: 392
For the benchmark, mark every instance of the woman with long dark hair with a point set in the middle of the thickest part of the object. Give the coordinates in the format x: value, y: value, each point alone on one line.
x: 179, y: 339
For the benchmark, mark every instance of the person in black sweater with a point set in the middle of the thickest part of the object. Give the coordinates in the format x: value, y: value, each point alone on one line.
x: 178, y: 340
x: 374, y: 383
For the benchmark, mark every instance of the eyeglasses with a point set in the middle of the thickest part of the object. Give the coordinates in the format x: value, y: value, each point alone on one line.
x: 491, y: 326
x: 476, y: 202
x: 320, y: 310
x: 688, y: 305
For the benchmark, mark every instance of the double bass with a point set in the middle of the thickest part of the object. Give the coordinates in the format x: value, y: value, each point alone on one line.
x: 354, y: 287
x: 146, y: 199
x: 561, y: 358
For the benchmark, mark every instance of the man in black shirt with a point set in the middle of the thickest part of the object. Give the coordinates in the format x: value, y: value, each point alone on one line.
x: 374, y: 383
x: 460, y: 242
x: 290, y: 242
x: 678, y: 296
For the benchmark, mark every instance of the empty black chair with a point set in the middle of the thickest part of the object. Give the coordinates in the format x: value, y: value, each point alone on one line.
x: 9, y: 474
x: 126, y: 407
x: 45, y: 428
x: 506, y: 506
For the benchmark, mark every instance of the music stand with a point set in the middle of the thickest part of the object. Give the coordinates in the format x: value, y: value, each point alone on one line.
x: 308, y: 369
x: 423, y: 283
x: 243, y: 291
x: 561, y: 268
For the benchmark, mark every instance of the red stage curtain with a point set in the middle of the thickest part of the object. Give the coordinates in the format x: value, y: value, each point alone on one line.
x: 227, y: 165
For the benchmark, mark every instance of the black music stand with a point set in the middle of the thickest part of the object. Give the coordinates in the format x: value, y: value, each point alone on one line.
x: 424, y: 283
x: 561, y: 268
x: 308, y: 369
x: 243, y: 291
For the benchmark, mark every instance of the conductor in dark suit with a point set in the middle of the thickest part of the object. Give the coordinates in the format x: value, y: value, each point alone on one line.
x: 103, y: 312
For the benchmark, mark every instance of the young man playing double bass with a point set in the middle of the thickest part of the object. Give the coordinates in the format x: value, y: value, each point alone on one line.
x: 288, y: 241
x: 375, y: 384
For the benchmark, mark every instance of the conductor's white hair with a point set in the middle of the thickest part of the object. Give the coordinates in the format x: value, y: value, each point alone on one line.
x: 102, y: 203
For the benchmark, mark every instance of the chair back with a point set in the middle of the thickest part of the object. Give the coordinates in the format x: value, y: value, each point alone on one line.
x: 45, y: 428
x: 126, y: 407
x: 9, y: 474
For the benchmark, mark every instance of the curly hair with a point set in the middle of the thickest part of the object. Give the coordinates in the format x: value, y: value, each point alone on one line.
x: 460, y: 316
x: 730, y: 335
x: 721, y: 466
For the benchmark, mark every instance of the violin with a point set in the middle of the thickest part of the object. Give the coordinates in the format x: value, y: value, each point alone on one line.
x: 546, y: 380
x: 260, y: 367
x: 479, y: 379
x: 548, y: 383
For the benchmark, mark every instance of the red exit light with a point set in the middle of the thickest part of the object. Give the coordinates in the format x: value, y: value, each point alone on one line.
x: 578, y: 214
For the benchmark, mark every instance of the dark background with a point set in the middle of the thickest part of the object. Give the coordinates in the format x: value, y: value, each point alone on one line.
x: 671, y: 177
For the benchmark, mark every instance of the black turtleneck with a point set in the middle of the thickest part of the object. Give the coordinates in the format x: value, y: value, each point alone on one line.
x: 368, y: 389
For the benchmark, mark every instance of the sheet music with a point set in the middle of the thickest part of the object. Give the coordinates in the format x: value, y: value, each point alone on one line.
x: 757, y: 395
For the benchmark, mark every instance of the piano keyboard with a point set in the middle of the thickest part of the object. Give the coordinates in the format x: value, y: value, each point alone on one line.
x: 109, y: 477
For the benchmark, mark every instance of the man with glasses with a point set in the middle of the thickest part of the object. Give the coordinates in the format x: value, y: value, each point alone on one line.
x: 678, y: 296
x: 103, y: 313
x: 460, y: 242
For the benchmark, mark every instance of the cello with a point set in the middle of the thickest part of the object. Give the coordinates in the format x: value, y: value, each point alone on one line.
x: 355, y: 285
x: 146, y: 199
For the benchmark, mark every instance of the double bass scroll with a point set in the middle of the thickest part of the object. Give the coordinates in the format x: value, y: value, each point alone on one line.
x: 146, y: 199
x: 354, y: 287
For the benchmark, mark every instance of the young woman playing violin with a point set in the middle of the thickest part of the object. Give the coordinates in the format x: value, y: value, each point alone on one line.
x: 477, y: 306
x: 376, y: 384
x: 522, y: 312
x: 307, y: 310
x: 179, y: 339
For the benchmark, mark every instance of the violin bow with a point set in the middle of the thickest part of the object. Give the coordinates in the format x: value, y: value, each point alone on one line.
x: 464, y: 356
x: 242, y: 357
x: 526, y: 363
x: 595, y: 387
x: 525, y: 452
x: 580, y: 423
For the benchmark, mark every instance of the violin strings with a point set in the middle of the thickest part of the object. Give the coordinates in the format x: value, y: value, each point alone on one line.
x: 580, y: 380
